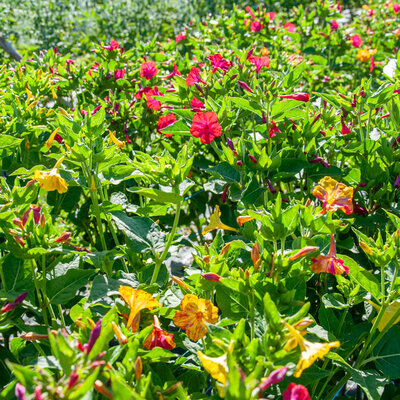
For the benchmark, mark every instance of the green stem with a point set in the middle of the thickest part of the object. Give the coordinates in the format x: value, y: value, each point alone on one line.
x: 167, y: 246
x: 60, y: 311
x: 37, y: 287
x: 252, y: 313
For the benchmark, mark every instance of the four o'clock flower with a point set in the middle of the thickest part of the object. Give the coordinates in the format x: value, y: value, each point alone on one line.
x: 259, y: 62
x: 173, y: 73
x: 296, y: 392
x: 193, y: 316
x: 274, y: 377
x: 15, y: 303
x: 159, y: 338
x: 194, y: 77
x: 329, y: 263
x: 334, y: 195
x: 218, y: 62
x: 164, y: 121
x: 215, y: 223
x: 296, y: 96
x: 356, y: 40
x: 148, y: 70
x: 210, y: 276
x: 205, y: 126
x: 112, y: 46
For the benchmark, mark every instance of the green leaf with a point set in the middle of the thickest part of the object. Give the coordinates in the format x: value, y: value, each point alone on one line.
x: 226, y: 172
x: 178, y: 128
x: 63, y: 289
x: 158, y: 195
x: 247, y: 105
x: 364, y: 278
x: 7, y: 141
x: 142, y: 233
x: 270, y: 311
x: 253, y: 191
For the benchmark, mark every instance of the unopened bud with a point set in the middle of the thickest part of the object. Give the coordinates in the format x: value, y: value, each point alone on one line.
x: 303, y: 252
x: 122, y: 339
x: 100, y: 388
x: 42, y: 220
x: 366, y: 248
x: 225, y: 249
x: 64, y: 237
x: 243, y: 219
x: 206, y: 259
x: 210, y: 276
x: 179, y: 282
x: 32, y: 336
x: 19, y: 240
x: 18, y: 222
x: 246, y: 274
x: 138, y: 368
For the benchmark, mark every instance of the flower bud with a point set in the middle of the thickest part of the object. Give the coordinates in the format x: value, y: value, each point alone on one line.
x: 252, y: 158
x: 303, y: 252
x: 366, y: 248
x: 243, y: 219
x: 18, y: 222
x: 225, y: 249
x: 100, y: 388
x: 179, y: 282
x: 210, y: 276
x: 19, y: 240
x: 138, y: 368
x: 206, y: 259
x: 64, y: 237
x: 94, y: 335
x: 73, y: 378
x: 122, y: 339
x: 246, y: 274
x: 32, y: 336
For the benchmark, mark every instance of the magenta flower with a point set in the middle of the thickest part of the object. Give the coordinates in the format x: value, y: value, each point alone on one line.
x: 296, y: 96
x: 356, y: 40
x: 197, y: 105
x: 15, y: 303
x: 164, y: 121
x: 153, y: 103
x: 194, y: 77
x: 20, y: 392
x: 113, y: 46
x: 210, y: 276
x: 345, y: 129
x: 273, y: 130
x: 296, y: 392
x: 289, y: 27
x: 259, y: 62
x: 179, y: 37
x: 244, y: 86
x: 256, y: 26
x: 119, y: 74
x: 334, y: 25
x: 148, y: 70
x: 274, y: 378
x: 173, y: 73
x: 219, y: 62
x: 94, y: 335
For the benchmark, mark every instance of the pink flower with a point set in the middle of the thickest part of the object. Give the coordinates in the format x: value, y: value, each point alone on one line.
x: 119, y: 74
x: 148, y: 70
x: 205, y: 126
x: 256, y: 26
x: 334, y: 25
x: 274, y: 377
x: 15, y: 303
x: 164, y: 121
x: 179, y: 37
x: 270, y: 15
x: 372, y: 64
x: 36, y: 214
x: 345, y: 129
x: 273, y: 130
x: 153, y: 103
x: 173, y: 73
x: 289, y: 27
x: 396, y: 8
x: 197, y: 105
x: 296, y: 392
x: 218, y: 62
x: 356, y: 41
x: 210, y: 276
x: 259, y: 62
x: 20, y: 392
x: 113, y: 46
x: 194, y: 77
x: 296, y: 96
x: 244, y: 86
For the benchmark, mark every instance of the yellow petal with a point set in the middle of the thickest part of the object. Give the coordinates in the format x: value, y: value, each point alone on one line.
x: 50, y: 140
x: 217, y: 367
x: 216, y: 223
x: 390, y: 311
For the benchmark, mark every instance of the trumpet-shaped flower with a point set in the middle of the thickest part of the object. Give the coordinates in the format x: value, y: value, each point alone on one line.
x: 159, y: 338
x: 310, y: 351
x: 329, y: 263
x: 296, y: 392
x: 51, y: 180
x: 389, y: 313
x: 219, y: 62
x: 217, y: 367
x: 194, y: 314
x: 242, y: 219
x: 334, y: 195
x: 259, y: 62
x: 164, y: 121
x: 137, y: 300
x: 194, y: 77
x: 148, y: 70
x: 215, y: 223
x: 205, y: 126
x: 113, y: 139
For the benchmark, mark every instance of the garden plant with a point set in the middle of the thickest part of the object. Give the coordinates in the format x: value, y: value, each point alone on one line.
x: 205, y: 213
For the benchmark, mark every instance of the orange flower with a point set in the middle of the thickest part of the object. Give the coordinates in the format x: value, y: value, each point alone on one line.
x: 193, y: 314
x: 255, y: 256
x: 334, y: 195
x: 329, y: 263
x: 137, y: 300
x: 159, y: 338
x: 243, y: 218
x: 310, y: 351
x: 364, y: 55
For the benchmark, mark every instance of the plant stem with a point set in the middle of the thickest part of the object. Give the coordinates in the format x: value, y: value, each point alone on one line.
x: 167, y: 246
x: 38, y: 294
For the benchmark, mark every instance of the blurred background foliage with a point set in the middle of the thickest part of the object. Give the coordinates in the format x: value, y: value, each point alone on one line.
x: 75, y: 26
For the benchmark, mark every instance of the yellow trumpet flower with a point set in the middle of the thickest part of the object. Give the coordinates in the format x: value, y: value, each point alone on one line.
x: 216, y: 223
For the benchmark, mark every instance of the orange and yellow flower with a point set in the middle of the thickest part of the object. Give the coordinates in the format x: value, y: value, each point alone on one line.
x: 137, y: 300
x: 216, y: 223
x: 159, y: 338
x: 364, y: 55
x: 51, y: 180
x: 310, y: 351
x: 194, y: 314
x: 329, y: 263
x: 242, y: 219
x: 334, y: 195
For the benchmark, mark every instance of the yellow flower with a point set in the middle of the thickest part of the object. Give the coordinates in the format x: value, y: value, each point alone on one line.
x: 390, y: 311
x: 51, y: 180
x: 114, y: 140
x: 215, y: 223
x: 310, y: 351
x: 193, y: 314
x: 50, y: 140
x: 217, y: 367
x: 334, y: 195
x: 137, y: 300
